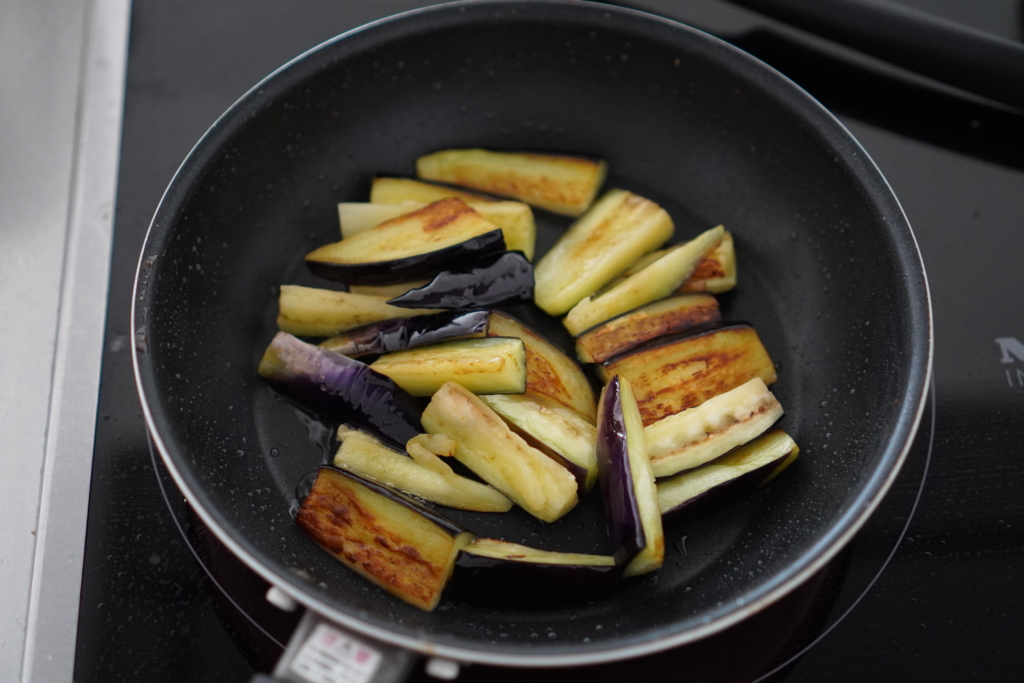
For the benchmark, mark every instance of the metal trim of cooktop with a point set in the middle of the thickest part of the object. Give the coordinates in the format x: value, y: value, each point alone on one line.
x: 63, y: 496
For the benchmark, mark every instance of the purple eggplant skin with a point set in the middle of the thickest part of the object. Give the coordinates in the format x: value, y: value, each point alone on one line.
x: 341, y: 389
x: 724, y: 492
x: 502, y: 280
x: 411, y: 268
x: 625, y: 529
x: 398, y: 334
x: 494, y: 582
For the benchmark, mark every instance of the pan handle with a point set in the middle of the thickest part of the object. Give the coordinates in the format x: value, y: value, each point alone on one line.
x: 943, y: 50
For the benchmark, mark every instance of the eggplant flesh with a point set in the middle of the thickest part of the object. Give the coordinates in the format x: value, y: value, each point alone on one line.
x: 627, y: 482
x: 670, y: 374
x: 341, y: 389
x: 514, y: 218
x: 400, y: 545
x: 716, y: 273
x: 500, y: 573
x: 412, y: 246
x: 554, y: 429
x: 655, y: 281
x: 313, y: 312
x: 398, y: 334
x: 385, y: 190
x: 629, y: 330
x: 497, y: 455
x: 549, y: 371
x: 561, y: 184
x: 502, y: 280
x: 700, y: 434
x: 369, y: 458
x: 744, y: 469
x: 616, y: 231
x: 489, y: 365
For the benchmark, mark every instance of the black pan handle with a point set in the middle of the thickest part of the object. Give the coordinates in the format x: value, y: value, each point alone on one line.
x: 957, y: 55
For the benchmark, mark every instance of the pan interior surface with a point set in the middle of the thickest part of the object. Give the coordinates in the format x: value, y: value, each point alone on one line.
x: 828, y: 274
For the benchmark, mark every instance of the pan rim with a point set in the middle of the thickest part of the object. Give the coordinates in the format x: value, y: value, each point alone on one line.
x: 820, y: 553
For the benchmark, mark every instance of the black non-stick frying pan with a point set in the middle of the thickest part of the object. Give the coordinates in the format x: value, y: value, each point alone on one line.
x: 829, y: 274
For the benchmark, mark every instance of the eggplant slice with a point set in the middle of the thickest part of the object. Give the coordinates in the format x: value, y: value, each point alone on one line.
x: 500, y: 457
x: 554, y: 429
x: 626, y: 332
x: 616, y: 231
x: 699, y: 435
x: 716, y: 273
x: 673, y: 373
x: 313, y: 312
x: 341, y: 389
x: 501, y: 280
x: 560, y: 184
x: 499, y: 573
x: 401, y: 545
x: 746, y: 468
x: 410, y: 247
x: 549, y: 371
x: 627, y: 483
x: 489, y: 365
x: 424, y: 475
x: 654, y: 281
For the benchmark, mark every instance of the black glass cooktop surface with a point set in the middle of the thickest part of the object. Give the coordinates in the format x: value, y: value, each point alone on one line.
x: 930, y: 589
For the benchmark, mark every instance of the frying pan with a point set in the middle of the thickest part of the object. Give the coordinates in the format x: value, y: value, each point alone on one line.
x: 829, y: 274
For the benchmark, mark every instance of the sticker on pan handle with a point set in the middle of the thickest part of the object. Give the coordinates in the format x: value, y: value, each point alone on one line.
x: 330, y: 656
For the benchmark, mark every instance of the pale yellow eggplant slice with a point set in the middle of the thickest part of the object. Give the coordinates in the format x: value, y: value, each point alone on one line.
x: 654, y: 281
x: 387, y: 292
x: 549, y: 371
x: 700, y: 434
x: 617, y: 230
x: 629, y: 330
x: 561, y: 184
x: 564, y: 434
x: 489, y: 365
x: 397, y: 543
x: 716, y: 273
x: 678, y: 372
x: 312, y: 312
x: 514, y: 218
x: 436, y: 482
x: 500, y: 457
x: 398, y: 190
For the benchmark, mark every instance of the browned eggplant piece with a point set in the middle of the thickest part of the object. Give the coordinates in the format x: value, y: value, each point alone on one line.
x: 410, y: 247
x: 627, y: 483
x: 341, y: 389
x: 514, y: 218
x: 616, y: 231
x: 387, y: 291
x: 700, y: 434
x: 500, y: 280
x: 561, y: 184
x: 654, y: 281
x: 554, y: 429
x: 398, y: 334
x: 499, y: 573
x: 489, y: 365
x: 396, y: 190
x: 423, y: 475
x: 549, y: 371
x: 313, y: 312
x: 744, y: 469
x: 716, y: 272
x: 500, y: 457
x: 673, y: 373
x: 401, y: 545
x: 629, y: 330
